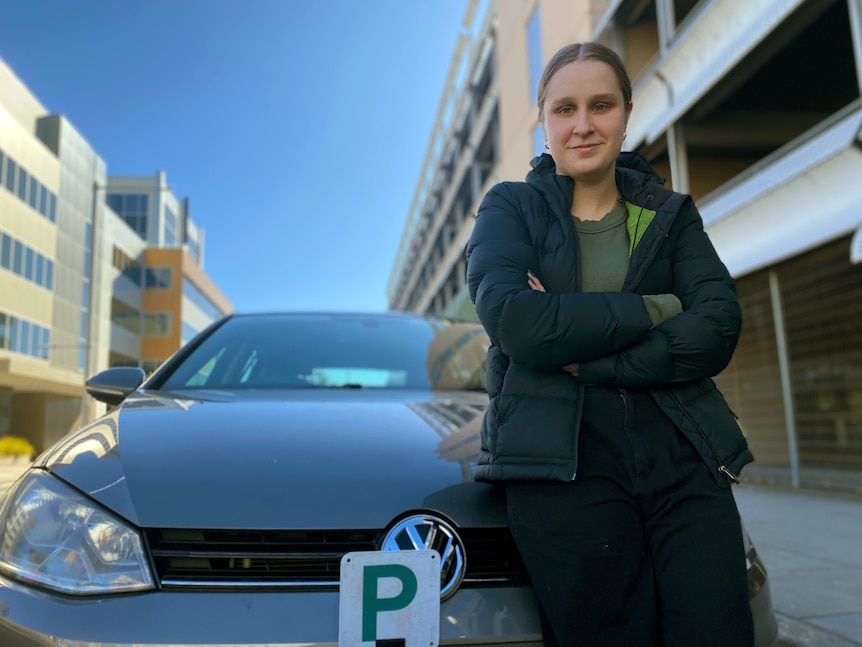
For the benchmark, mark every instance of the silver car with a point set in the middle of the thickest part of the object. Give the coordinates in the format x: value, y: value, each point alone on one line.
x: 284, y: 479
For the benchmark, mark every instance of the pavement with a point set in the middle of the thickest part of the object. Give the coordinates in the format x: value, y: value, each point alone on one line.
x: 811, y: 544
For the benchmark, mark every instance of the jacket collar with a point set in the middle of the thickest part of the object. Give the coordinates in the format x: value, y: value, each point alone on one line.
x: 634, y: 177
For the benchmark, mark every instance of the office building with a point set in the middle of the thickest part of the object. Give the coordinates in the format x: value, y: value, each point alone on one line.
x: 80, y: 288
x: 751, y: 106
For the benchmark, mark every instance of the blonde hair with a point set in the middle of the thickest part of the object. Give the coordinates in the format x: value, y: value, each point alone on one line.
x: 589, y: 51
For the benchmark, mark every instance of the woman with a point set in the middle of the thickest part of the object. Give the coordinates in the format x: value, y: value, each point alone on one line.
x: 609, y: 311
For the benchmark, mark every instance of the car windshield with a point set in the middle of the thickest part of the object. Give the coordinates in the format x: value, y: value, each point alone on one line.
x: 332, y: 351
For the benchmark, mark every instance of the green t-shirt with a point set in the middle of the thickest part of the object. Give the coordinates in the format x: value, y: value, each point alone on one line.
x: 604, y: 247
x: 604, y: 251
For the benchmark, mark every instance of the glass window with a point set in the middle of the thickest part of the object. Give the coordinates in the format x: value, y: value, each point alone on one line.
x: 4, y: 328
x: 6, y: 252
x: 34, y: 192
x: 52, y: 207
x: 22, y: 183
x: 157, y: 324
x: 40, y: 269
x: 158, y: 278
x: 35, y: 340
x: 115, y: 202
x: 85, y: 294
x: 534, y: 47
x: 170, y: 228
x: 335, y: 351
x: 17, y: 257
x: 49, y: 275
x: 1, y: 164
x: 24, y: 339
x: 29, y: 264
x: 13, y: 334
x: 133, y: 273
x: 85, y: 320
x: 46, y: 343
x: 197, y: 297
x: 11, y: 172
x: 126, y: 317
x: 43, y: 201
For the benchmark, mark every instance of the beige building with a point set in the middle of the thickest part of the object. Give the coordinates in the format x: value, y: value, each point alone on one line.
x: 84, y: 285
x: 751, y: 106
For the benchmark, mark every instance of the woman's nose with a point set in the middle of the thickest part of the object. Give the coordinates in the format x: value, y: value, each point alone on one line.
x: 583, y: 124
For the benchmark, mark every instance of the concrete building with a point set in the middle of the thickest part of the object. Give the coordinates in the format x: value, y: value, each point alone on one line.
x: 751, y: 106
x: 80, y: 288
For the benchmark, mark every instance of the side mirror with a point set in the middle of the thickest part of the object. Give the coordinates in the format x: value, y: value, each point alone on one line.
x: 112, y: 386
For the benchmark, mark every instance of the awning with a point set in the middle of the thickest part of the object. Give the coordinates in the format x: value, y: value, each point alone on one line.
x: 793, y: 201
x: 703, y: 53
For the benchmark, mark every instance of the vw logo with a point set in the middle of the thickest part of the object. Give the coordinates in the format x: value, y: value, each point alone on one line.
x: 427, y: 532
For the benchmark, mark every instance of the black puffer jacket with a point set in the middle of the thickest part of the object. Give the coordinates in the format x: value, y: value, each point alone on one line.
x: 531, y: 425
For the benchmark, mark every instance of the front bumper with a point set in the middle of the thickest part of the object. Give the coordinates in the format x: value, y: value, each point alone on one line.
x: 31, y: 617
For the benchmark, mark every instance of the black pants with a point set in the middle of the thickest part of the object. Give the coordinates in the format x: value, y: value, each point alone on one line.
x: 644, y: 548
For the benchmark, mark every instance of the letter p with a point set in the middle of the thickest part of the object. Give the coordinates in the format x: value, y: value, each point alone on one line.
x: 372, y: 605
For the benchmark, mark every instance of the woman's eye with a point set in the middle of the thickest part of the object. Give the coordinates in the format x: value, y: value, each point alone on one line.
x: 600, y: 107
x: 566, y: 110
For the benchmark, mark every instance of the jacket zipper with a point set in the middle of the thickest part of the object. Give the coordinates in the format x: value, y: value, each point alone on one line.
x: 578, y: 417
x: 723, y: 469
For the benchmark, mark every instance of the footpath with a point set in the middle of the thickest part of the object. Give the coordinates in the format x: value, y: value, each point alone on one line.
x: 811, y: 544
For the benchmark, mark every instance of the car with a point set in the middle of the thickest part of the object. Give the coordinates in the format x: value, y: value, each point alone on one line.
x: 283, y: 479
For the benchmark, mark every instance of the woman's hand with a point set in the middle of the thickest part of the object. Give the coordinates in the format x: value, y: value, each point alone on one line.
x: 535, y: 284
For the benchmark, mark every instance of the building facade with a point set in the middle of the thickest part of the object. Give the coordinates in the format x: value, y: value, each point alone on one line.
x: 80, y: 288
x: 752, y: 107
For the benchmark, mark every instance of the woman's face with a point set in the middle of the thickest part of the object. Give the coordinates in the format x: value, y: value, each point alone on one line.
x: 584, y: 119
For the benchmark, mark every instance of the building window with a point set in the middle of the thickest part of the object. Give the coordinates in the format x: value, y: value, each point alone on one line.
x: 188, y: 333
x: 157, y: 324
x: 170, y: 228
x: 24, y: 337
x: 194, y: 249
x: 132, y: 208
x: 157, y: 278
x: 197, y: 297
x: 128, y: 266
x: 6, y: 252
x: 27, y: 187
x: 534, y: 52
x: 125, y: 316
x: 22, y: 183
x: 17, y: 257
x: 11, y: 171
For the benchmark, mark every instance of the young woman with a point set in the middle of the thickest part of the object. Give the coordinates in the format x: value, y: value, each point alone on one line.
x: 609, y: 311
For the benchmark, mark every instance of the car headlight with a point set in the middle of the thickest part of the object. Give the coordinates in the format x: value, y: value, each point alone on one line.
x: 52, y: 536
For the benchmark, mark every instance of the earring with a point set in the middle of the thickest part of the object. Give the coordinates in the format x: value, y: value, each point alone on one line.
x: 625, y: 134
x: 546, y: 146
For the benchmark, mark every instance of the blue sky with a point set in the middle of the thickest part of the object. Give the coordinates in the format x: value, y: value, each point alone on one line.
x: 296, y: 128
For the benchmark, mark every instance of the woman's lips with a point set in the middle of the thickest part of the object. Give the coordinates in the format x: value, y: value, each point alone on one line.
x: 585, y: 148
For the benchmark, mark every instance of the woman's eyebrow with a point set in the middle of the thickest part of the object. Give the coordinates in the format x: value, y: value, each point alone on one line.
x: 608, y: 97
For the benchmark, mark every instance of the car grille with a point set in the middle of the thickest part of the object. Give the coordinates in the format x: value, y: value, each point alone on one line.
x: 304, y: 558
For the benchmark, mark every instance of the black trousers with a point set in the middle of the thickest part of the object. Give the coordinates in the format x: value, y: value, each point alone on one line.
x: 644, y: 548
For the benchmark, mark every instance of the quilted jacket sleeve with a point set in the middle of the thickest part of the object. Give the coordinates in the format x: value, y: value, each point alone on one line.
x: 695, y: 344
x: 541, y: 330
